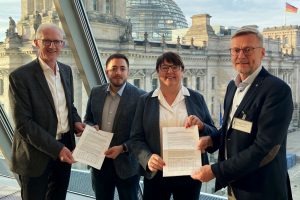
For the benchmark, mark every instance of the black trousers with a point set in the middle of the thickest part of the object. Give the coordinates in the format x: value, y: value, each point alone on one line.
x: 105, y: 180
x: 181, y: 187
x: 52, y: 184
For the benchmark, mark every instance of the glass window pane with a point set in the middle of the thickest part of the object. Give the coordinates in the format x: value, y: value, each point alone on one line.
x: 136, y: 28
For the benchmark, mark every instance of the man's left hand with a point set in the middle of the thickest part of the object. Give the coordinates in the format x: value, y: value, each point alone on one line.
x: 65, y: 155
x: 114, y: 151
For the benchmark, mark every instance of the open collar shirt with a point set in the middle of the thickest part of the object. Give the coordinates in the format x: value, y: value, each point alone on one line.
x: 59, y: 98
x: 172, y: 115
x: 110, y: 107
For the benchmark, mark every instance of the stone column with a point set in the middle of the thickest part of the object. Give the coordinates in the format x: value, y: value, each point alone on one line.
x: 27, y: 8
x: 101, y: 6
x: 193, y: 80
x: 48, y: 6
x: 119, y: 8
x: 148, y: 80
x: 113, y: 4
x: 89, y: 5
x: 38, y: 6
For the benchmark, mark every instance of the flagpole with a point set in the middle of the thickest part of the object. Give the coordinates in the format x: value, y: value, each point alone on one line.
x: 285, y: 13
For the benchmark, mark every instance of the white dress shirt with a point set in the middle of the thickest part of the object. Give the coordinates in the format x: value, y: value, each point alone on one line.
x: 172, y: 115
x: 59, y: 98
x: 242, y: 89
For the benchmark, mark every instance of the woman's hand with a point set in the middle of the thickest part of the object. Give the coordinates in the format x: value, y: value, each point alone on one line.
x: 194, y: 120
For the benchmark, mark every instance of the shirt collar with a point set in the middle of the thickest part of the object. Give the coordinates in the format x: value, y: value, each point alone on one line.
x: 184, y: 90
x: 248, y: 81
x: 46, y: 67
x: 121, y: 90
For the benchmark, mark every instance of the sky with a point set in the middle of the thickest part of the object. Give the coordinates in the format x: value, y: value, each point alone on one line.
x: 264, y: 13
x: 8, y: 8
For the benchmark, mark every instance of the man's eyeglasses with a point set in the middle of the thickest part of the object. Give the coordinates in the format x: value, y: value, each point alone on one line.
x: 56, y: 43
x: 247, y: 51
x: 165, y: 68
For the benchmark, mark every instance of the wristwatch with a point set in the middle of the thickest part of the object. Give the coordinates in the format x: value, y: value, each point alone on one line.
x: 125, y: 149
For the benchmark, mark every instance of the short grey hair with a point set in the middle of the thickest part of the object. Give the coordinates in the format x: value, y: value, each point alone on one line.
x: 42, y: 27
x: 249, y: 29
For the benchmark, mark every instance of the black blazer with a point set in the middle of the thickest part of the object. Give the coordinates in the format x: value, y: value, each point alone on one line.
x: 34, y: 143
x: 256, y: 162
x: 125, y: 164
x: 145, y: 134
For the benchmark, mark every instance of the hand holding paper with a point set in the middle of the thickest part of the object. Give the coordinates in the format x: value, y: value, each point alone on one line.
x: 91, y: 147
x: 180, y: 150
x: 203, y: 174
x: 155, y: 163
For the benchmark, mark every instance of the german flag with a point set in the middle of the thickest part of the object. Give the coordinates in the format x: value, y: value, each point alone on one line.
x: 290, y: 8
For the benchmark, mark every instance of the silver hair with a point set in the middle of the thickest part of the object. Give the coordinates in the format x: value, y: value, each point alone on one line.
x: 249, y: 29
x: 42, y: 27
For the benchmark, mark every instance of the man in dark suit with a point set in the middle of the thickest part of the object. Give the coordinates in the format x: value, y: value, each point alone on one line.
x: 111, y: 107
x: 41, y: 96
x: 252, y: 141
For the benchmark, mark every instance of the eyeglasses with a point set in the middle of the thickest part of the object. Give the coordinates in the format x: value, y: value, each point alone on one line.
x: 247, y: 51
x: 56, y: 43
x: 165, y: 68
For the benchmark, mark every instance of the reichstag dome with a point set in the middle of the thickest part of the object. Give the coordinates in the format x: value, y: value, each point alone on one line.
x: 156, y: 17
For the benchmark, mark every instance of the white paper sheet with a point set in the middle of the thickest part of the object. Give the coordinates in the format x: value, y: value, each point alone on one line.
x: 180, y: 151
x: 91, y: 147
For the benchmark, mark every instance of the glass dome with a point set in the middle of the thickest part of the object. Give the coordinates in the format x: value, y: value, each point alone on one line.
x: 156, y: 17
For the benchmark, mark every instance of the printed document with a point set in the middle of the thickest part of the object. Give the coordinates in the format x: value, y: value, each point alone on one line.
x: 180, y: 151
x: 91, y: 147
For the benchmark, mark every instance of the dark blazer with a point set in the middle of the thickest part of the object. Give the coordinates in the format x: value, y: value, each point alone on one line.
x: 125, y: 164
x: 35, y: 143
x: 256, y: 166
x: 145, y: 135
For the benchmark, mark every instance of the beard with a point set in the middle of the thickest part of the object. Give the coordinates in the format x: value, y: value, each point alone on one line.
x: 117, y: 82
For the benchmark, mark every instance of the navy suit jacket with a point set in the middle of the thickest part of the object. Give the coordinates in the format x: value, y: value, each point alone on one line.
x: 256, y: 162
x: 125, y: 164
x: 34, y: 143
x: 145, y: 135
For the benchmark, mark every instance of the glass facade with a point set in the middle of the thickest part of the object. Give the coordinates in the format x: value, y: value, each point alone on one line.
x: 156, y: 17
x: 152, y: 16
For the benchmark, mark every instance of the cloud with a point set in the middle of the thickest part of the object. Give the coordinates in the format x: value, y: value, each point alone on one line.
x: 8, y: 8
x: 264, y: 13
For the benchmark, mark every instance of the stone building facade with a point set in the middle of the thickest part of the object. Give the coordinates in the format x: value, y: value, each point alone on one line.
x: 206, y: 55
x: 288, y: 37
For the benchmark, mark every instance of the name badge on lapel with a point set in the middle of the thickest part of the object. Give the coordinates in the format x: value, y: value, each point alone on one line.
x: 241, y: 125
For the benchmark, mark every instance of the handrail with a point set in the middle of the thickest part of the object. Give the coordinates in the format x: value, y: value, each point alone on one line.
x: 6, y: 136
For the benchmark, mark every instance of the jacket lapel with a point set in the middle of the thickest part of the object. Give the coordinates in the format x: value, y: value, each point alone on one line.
x: 100, y: 105
x: 154, y: 114
x: 250, y: 95
x: 65, y: 79
x: 39, y: 75
x: 122, y: 105
x: 228, y: 102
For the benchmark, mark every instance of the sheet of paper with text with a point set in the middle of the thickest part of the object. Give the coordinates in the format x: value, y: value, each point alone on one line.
x: 180, y: 151
x: 91, y: 147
